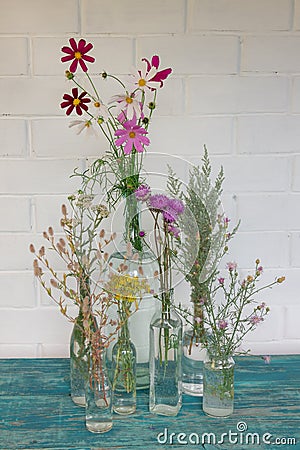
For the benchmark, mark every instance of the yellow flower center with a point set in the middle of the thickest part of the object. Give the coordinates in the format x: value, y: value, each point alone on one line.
x: 132, y: 134
x: 97, y: 104
x: 76, y: 101
x: 78, y: 55
x: 142, y: 82
x: 129, y: 100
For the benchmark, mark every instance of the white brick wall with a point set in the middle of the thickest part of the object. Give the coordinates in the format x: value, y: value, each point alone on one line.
x: 235, y: 87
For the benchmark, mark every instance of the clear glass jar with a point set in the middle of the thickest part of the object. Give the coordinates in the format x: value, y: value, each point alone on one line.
x: 165, y: 395
x: 193, y: 357
x: 124, y: 374
x: 98, y: 395
x: 218, y: 387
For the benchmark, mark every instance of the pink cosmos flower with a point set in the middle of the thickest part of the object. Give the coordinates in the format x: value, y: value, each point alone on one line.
x: 231, y: 266
x: 133, y: 136
x: 149, y: 76
x: 78, y: 53
x: 128, y: 105
x: 75, y: 101
x: 83, y: 125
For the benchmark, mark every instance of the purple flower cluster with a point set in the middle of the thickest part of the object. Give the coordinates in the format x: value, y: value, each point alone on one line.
x: 170, y: 208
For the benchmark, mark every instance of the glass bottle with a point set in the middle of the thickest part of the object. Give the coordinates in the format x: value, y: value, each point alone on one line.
x: 78, y: 362
x: 218, y: 386
x: 165, y: 395
x: 124, y: 373
x: 98, y: 394
x: 140, y: 263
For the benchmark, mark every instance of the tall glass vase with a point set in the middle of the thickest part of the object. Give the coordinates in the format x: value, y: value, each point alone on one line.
x: 98, y: 394
x: 140, y: 263
x: 124, y: 373
x: 218, y: 386
x: 165, y: 395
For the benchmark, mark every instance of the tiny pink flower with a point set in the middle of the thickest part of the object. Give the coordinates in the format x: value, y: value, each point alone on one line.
x: 143, y: 192
x: 254, y: 320
x: 222, y: 324
x: 198, y: 320
x: 231, y: 266
x: 267, y: 359
x: 221, y: 280
x: 175, y: 231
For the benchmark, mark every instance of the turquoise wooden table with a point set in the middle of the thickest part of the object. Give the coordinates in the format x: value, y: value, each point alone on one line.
x: 36, y: 412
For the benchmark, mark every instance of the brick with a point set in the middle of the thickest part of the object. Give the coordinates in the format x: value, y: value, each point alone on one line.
x: 295, y: 95
x: 14, y: 59
x: 13, y: 286
x: 270, y: 247
x: 17, y: 350
x: 130, y: 17
x: 272, y: 329
x: 38, y: 176
x: 187, y: 135
x: 280, y: 347
x: 295, y: 249
x: 268, y: 134
x: 15, y: 214
x: 292, y: 323
x: 69, y: 144
x: 259, y: 212
x: 15, y: 255
x: 38, y: 16
x: 46, y: 326
x: 235, y: 15
x: 48, y: 211
x: 270, y: 54
x: 13, y: 137
x: 194, y: 54
x: 253, y: 173
x: 31, y: 96
x: 104, y: 47
x: 233, y: 94
x: 296, y: 174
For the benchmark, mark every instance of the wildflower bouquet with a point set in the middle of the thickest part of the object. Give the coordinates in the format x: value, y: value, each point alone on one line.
x: 123, y: 120
x: 228, y: 319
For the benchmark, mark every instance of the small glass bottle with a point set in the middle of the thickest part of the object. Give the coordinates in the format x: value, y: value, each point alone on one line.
x: 192, y: 364
x: 124, y: 374
x: 78, y: 362
x: 165, y: 396
x: 98, y: 395
x: 218, y: 386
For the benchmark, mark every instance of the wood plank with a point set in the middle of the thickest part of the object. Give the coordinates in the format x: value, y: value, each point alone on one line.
x: 36, y: 411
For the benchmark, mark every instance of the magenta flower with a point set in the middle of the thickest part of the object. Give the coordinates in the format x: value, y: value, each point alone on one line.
x: 78, y: 53
x: 161, y: 75
x: 150, y: 75
x: 158, y: 202
x: 175, y: 231
x: 222, y: 324
x: 221, y: 280
x: 231, y: 266
x: 75, y: 101
x: 143, y: 192
x: 142, y: 234
x: 133, y: 136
